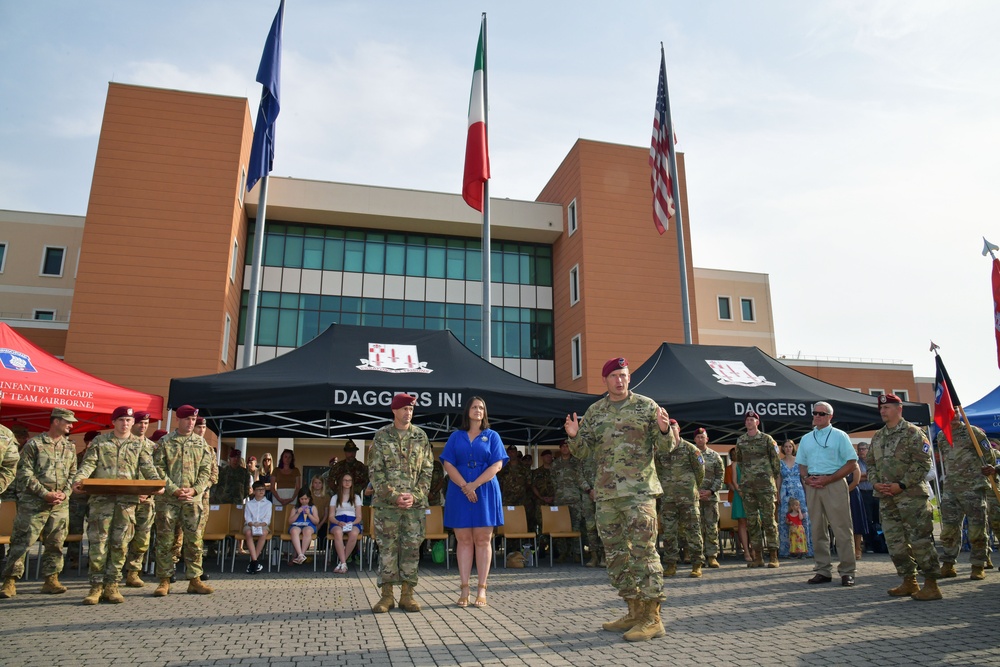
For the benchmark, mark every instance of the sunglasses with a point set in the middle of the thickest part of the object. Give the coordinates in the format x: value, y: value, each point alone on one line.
x: 817, y: 413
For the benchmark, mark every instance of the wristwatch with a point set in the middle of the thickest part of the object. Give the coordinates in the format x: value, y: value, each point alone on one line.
x: 901, y: 486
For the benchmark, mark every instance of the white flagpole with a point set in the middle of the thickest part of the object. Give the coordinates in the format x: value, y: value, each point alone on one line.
x: 487, y: 313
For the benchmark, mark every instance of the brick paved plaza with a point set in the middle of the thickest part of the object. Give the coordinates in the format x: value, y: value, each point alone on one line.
x: 536, y: 617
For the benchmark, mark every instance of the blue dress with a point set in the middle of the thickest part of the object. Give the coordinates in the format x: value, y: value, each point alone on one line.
x: 471, y: 459
x: 791, y: 487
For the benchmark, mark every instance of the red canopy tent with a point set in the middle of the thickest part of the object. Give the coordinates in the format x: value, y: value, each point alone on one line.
x: 32, y: 382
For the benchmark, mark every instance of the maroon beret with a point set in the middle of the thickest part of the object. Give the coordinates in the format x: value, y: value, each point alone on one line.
x: 185, y: 411
x: 613, y: 365
x: 751, y: 413
x: 889, y: 398
x: 90, y: 435
x: 200, y: 421
x: 123, y: 411
x: 673, y: 422
x: 402, y: 400
x: 235, y: 454
x: 699, y: 431
x: 157, y: 434
x: 140, y: 416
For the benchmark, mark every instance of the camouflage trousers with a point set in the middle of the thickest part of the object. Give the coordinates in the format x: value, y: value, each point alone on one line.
x: 145, y: 514
x: 37, y: 520
x: 399, y: 534
x: 761, y: 525
x: 710, y: 527
x: 589, y: 508
x: 993, y: 512
x: 909, y: 535
x: 77, y: 515
x: 954, y: 507
x: 188, y: 516
x: 627, y: 527
x: 681, y: 521
x: 110, y: 525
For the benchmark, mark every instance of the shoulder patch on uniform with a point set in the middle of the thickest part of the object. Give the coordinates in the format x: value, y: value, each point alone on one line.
x: 701, y: 460
x: 927, y: 447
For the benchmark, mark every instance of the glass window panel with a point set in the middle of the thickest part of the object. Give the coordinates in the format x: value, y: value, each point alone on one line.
x: 473, y: 312
x: 496, y: 266
x: 416, y: 258
x: 293, y: 252
x: 413, y: 322
x: 526, y: 341
x: 435, y: 323
x: 315, y: 232
x: 474, y: 265
x: 350, y: 318
x: 415, y: 308
x: 392, y: 307
x: 270, y: 299
x: 276, y: 229
x: 525, y: 269
x: 289, y: 301
x: 455, y: 311
x: 267, y: 326
x: 512, y: 340
x: 396, y: 238
x: 295, y: 230
x: 274, y: 249
x: 473, y: 338
x: 434, y: 309
x: 333, y: 254
x: 369, y: 306
x: 374, y: 256
x: 355, y: 235
x: 435, y: 262
x: 312, y: 253
x: 326, y: 319
x: 309, y: 301
x: 392, y: 321
x: 308, y: 327
x: 350, y: 304
x: 248, y: 251
x: 543, y: 251
x: 457, y: 327
x: 511, y: 262
x: 496, y: 329
x: 543, y: 271
x: 371, y: 320
x: 241, y: 330
x: 543, y: 316
x: 288, y: 322
x: 354, y: 256
x: 395, y: 260
x: 332, y: 233
x: 456, y: 263
x: 329, y: 303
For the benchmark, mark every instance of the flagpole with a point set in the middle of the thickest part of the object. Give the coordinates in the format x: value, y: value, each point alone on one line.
x: 676, y: 186
x: 250, y: 330
x: 487, y: 313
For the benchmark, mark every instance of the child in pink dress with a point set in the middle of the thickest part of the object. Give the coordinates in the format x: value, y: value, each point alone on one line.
x: 796, y: 531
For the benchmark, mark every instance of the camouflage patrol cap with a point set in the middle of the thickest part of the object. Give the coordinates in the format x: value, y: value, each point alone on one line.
x: 885, y: 399
x: 64, y: 414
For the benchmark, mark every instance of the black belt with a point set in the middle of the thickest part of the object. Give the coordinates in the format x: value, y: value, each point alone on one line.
x: 820, y: 474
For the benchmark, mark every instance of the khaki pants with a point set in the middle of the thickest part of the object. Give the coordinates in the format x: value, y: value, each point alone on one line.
x: 831, y: 506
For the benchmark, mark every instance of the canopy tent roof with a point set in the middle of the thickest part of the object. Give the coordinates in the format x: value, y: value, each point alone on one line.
x: 985, y: 413
x: 32, y: 382
x: 716, y: 385
x: 340, y: 384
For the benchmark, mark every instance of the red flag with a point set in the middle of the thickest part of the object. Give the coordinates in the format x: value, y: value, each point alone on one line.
x: 659, y: 155
x: 477, y: 154
x: 944, y: 406
x: 996, y: 305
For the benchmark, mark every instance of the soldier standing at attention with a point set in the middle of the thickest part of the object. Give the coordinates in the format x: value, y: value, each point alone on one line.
x: 898, y: 463
x: 681, y: 472
x: 48, y: 463
x: 350, y: 464
x: 437, y: 485
x: 964, y: 495
x: 567, y: 483
x: 233, y: 483
x: 622, y: 432
x: 708, y: 496
x: 145, y: 513
x: 757, y: 454
x: 183, y: 460
x: 401, y: 469
x: 111, y: 519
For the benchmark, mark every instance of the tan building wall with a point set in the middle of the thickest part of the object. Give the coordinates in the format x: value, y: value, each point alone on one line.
x: 629, y: 281
x: 154, y: 284
x: 866, y: 377
x: 735, y: 287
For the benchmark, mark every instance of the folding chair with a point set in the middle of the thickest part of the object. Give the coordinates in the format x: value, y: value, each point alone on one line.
x: 434, y: 530
x: 367, y: 536
x: 556, y: 523
x: 8, y: 510
x: 235, y: 531
x: 279, y: 520
x: 515, y: 527
x: 217, y: 529
x: 727, y: 525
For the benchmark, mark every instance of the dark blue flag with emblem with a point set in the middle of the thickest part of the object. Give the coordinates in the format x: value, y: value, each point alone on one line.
x: 269, y: 76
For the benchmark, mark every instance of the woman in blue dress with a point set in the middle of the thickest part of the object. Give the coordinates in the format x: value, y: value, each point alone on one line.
x: 791, y: 487
x: 472, y: 458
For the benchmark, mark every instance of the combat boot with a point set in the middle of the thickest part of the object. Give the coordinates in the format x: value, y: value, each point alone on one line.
x: 930, y: 591
x: 163, y: 589
x: 670, y: 569
x: 132, y: 580
x: 772, y: 560
x: 758, y: 557
x: 52, y: 585
x: 9, y: 589
x: 627, y: 621
x: 386, y: 602
x: 94, y: 596
x: 601, y: 560
x: 713, y: 562
x: 978, y: 572
x: 649, y: 626
x: 407, y: 601
x: 593, y: 559
x: 195, y: 586
x: 695, y: 570
x: 908, y: 587
x: 948, y: 571
x: 111, y: 594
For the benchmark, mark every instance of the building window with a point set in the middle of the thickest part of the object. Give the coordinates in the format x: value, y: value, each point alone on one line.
x: 725, y: 308
x: 52, y: 261
x: 875, y: 392
x: 574, y: 285
x: 903, y: 394
x: 44, y: 315
x: 225, y: 339
x: 3, y: 255
x: 576, y: 350
x: 235, y: 260
x: 746, y: 309
x: 571, y: 222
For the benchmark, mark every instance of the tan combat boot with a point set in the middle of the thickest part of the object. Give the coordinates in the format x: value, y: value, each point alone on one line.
x: 94, y: 596
x: 593, y: 559
x: 9, y: 589
x: 649, y: 626
x: 163, y: 589
x: 758, y: 557
x: 930, y: 591
x: 386, y: 602
x: 407, y: 601
x: 948, y: 571
x: 669, y: 569
x: 52, y: 585
x: 772, y: 560
x: 908, y: 587
x: 713, y: 562
x: 196, y: 586
x: 111, y: 594
x: 132, y: 580
x: 695, y: 570
x: 601, y: 560
x: 978, y: 572
x: 627, y: 621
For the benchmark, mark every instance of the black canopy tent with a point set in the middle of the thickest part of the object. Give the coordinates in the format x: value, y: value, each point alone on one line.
x: 340, y: 385
x: 714, y: 386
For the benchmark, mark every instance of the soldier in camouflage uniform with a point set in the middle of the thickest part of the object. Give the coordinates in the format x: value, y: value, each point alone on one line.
x: 622, y: 432
x: 350, y: 464
x: 708, y: 496
x: 568, y: 484
x: 78, y: 509
x: 898, y: 463
x: 437, y: 485
x: 588, y: 471
x: 145, y: 513
x: 680, y: 472
x: 964, y: 495
x: 542, y: 489
x: 9, y: 457
x: 515, y: 480
x: 48, y: 463
x: 401, y: 470
x: 992, y: 505
x: 757, y: 454
x: 233, y: 480
x: 111, y: 519
x: 183, y: 461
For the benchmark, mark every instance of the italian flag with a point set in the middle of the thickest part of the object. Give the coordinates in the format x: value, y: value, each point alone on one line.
x: 477, y: 158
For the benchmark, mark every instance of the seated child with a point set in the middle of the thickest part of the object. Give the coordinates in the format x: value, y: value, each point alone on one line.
x: 257, y: 525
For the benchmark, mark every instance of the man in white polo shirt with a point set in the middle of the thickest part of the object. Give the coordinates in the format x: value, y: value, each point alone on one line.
x: 826, y: 457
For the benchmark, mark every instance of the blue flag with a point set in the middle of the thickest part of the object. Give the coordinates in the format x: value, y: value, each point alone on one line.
x: 269, y: 76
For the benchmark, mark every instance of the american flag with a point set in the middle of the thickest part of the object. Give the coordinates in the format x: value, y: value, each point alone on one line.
x: 659, y: 155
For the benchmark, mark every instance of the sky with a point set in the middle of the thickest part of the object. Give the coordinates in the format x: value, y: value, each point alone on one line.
x: 847, y: 148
